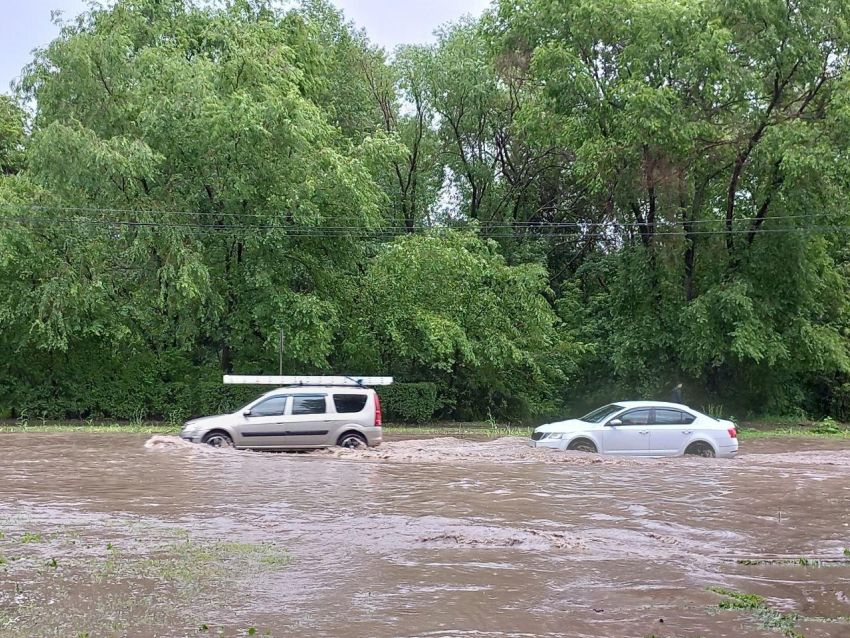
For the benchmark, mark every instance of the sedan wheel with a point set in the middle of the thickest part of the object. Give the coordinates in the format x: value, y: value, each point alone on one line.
x: 583, y: 446
x: 701, y: 449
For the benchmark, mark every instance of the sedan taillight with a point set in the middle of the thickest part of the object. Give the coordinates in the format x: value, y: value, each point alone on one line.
x: 733, y: 433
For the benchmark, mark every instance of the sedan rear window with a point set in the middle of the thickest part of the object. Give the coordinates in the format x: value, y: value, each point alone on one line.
x: 349, y: 403
x: 669, y: 417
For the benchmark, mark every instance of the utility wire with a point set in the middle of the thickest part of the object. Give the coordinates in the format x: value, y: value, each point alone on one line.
x: 340, y: 231
x: 402, y: 223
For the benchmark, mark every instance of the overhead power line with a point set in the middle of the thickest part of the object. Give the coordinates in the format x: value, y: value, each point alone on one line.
x: 402, y: 224
x: 362, y: 232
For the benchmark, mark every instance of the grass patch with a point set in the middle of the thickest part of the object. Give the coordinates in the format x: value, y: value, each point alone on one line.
x: 142, y: 581
x: 746, y: 431
x: 798, y: 562
x: 798, y: 432
x: 95, y: 428
x: 191, y: 564
x: 461, y: 429
x: 759, y: 611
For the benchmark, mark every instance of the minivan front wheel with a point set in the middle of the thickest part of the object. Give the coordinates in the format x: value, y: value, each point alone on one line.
x: 352, y: 441
x: 218, y: 439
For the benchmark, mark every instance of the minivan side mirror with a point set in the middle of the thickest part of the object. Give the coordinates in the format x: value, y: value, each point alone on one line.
x: 615, y: 422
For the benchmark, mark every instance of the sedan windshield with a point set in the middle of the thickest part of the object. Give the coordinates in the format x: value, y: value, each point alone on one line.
x: 598, y: 416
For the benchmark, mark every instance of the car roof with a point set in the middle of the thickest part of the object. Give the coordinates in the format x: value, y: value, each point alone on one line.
x: 652, y: 404
x: 312, y: 389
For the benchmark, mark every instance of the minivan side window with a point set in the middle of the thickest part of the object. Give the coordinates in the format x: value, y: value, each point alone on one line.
x: 308, y: 404
x: 349, y: 403
x: 273, y: 406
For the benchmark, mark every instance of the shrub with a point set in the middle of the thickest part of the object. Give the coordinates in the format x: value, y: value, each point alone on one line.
x: 205, y: 398
x: 410, y: 402
x: 840, y: 402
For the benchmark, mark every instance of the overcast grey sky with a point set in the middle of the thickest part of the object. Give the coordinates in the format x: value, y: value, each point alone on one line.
x: 26, y: 25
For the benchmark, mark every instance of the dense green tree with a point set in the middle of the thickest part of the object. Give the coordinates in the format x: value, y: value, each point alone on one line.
x: 446, y: 307
x: 695, y: 126
x: 566, y: 201
x: 12, y: 135
x: 194, y: 120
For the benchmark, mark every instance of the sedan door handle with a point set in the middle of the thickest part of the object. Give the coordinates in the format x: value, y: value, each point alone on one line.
x: 687, y: 431
x: 644, y: 432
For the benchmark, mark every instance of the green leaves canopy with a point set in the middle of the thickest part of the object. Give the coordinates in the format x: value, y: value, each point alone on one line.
x: 447, y: 307
x: 595, y: 197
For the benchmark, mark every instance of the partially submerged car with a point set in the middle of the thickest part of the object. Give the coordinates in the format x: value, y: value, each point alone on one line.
x: 642, y: 428
x: 296, y: 418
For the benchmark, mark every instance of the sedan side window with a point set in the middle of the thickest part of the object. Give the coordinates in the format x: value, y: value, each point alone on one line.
x: 308, y: 404
x: 635, y: 417
x: 669, y: 417
x: 273, y: 406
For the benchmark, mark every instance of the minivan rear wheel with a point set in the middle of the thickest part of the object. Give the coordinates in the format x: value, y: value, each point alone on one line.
x: 218, y: 439
x: 352, y: 441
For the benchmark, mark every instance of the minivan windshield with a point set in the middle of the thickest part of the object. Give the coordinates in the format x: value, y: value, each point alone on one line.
x: 245, y: 407
x: 598, y: 416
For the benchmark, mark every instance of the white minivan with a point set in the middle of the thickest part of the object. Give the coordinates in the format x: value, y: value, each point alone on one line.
x: 642, y: 428
x: 295, y: 418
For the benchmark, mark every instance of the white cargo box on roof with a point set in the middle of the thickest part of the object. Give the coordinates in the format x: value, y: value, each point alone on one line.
x: 236, y: 379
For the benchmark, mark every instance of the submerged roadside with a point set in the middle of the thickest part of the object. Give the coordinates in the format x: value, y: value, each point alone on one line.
x: 759, y: 429
x: 134, y: 536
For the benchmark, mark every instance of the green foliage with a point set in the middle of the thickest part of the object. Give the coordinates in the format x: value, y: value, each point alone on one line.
x: 839, y: 402
x: 827, y: 426
x: 132, y: 400
x: 449, y: 308
x: 410, y: 402
x: 12, y: 136
x: 686, y: 127
x: 766, y: 616
x: 595, y: 198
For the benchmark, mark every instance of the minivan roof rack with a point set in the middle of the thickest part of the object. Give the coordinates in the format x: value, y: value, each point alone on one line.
x: 261, y: 379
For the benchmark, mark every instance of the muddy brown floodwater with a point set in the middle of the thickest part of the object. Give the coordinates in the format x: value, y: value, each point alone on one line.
x: 118, y: 535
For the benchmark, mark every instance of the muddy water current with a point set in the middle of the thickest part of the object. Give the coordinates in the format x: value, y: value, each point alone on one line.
x: 122, y: 535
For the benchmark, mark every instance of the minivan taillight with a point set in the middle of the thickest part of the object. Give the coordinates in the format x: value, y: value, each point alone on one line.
x: 377, y: 411
x: 733, y: 433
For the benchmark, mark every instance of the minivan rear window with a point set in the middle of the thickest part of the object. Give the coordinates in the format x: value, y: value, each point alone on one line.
x: 349, y: 403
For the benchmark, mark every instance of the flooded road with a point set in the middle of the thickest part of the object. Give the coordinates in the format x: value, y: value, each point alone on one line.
x: 118, y: 535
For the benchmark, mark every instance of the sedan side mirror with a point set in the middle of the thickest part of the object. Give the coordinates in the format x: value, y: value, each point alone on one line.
x: 246, y: 413
x: 615, y: 422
